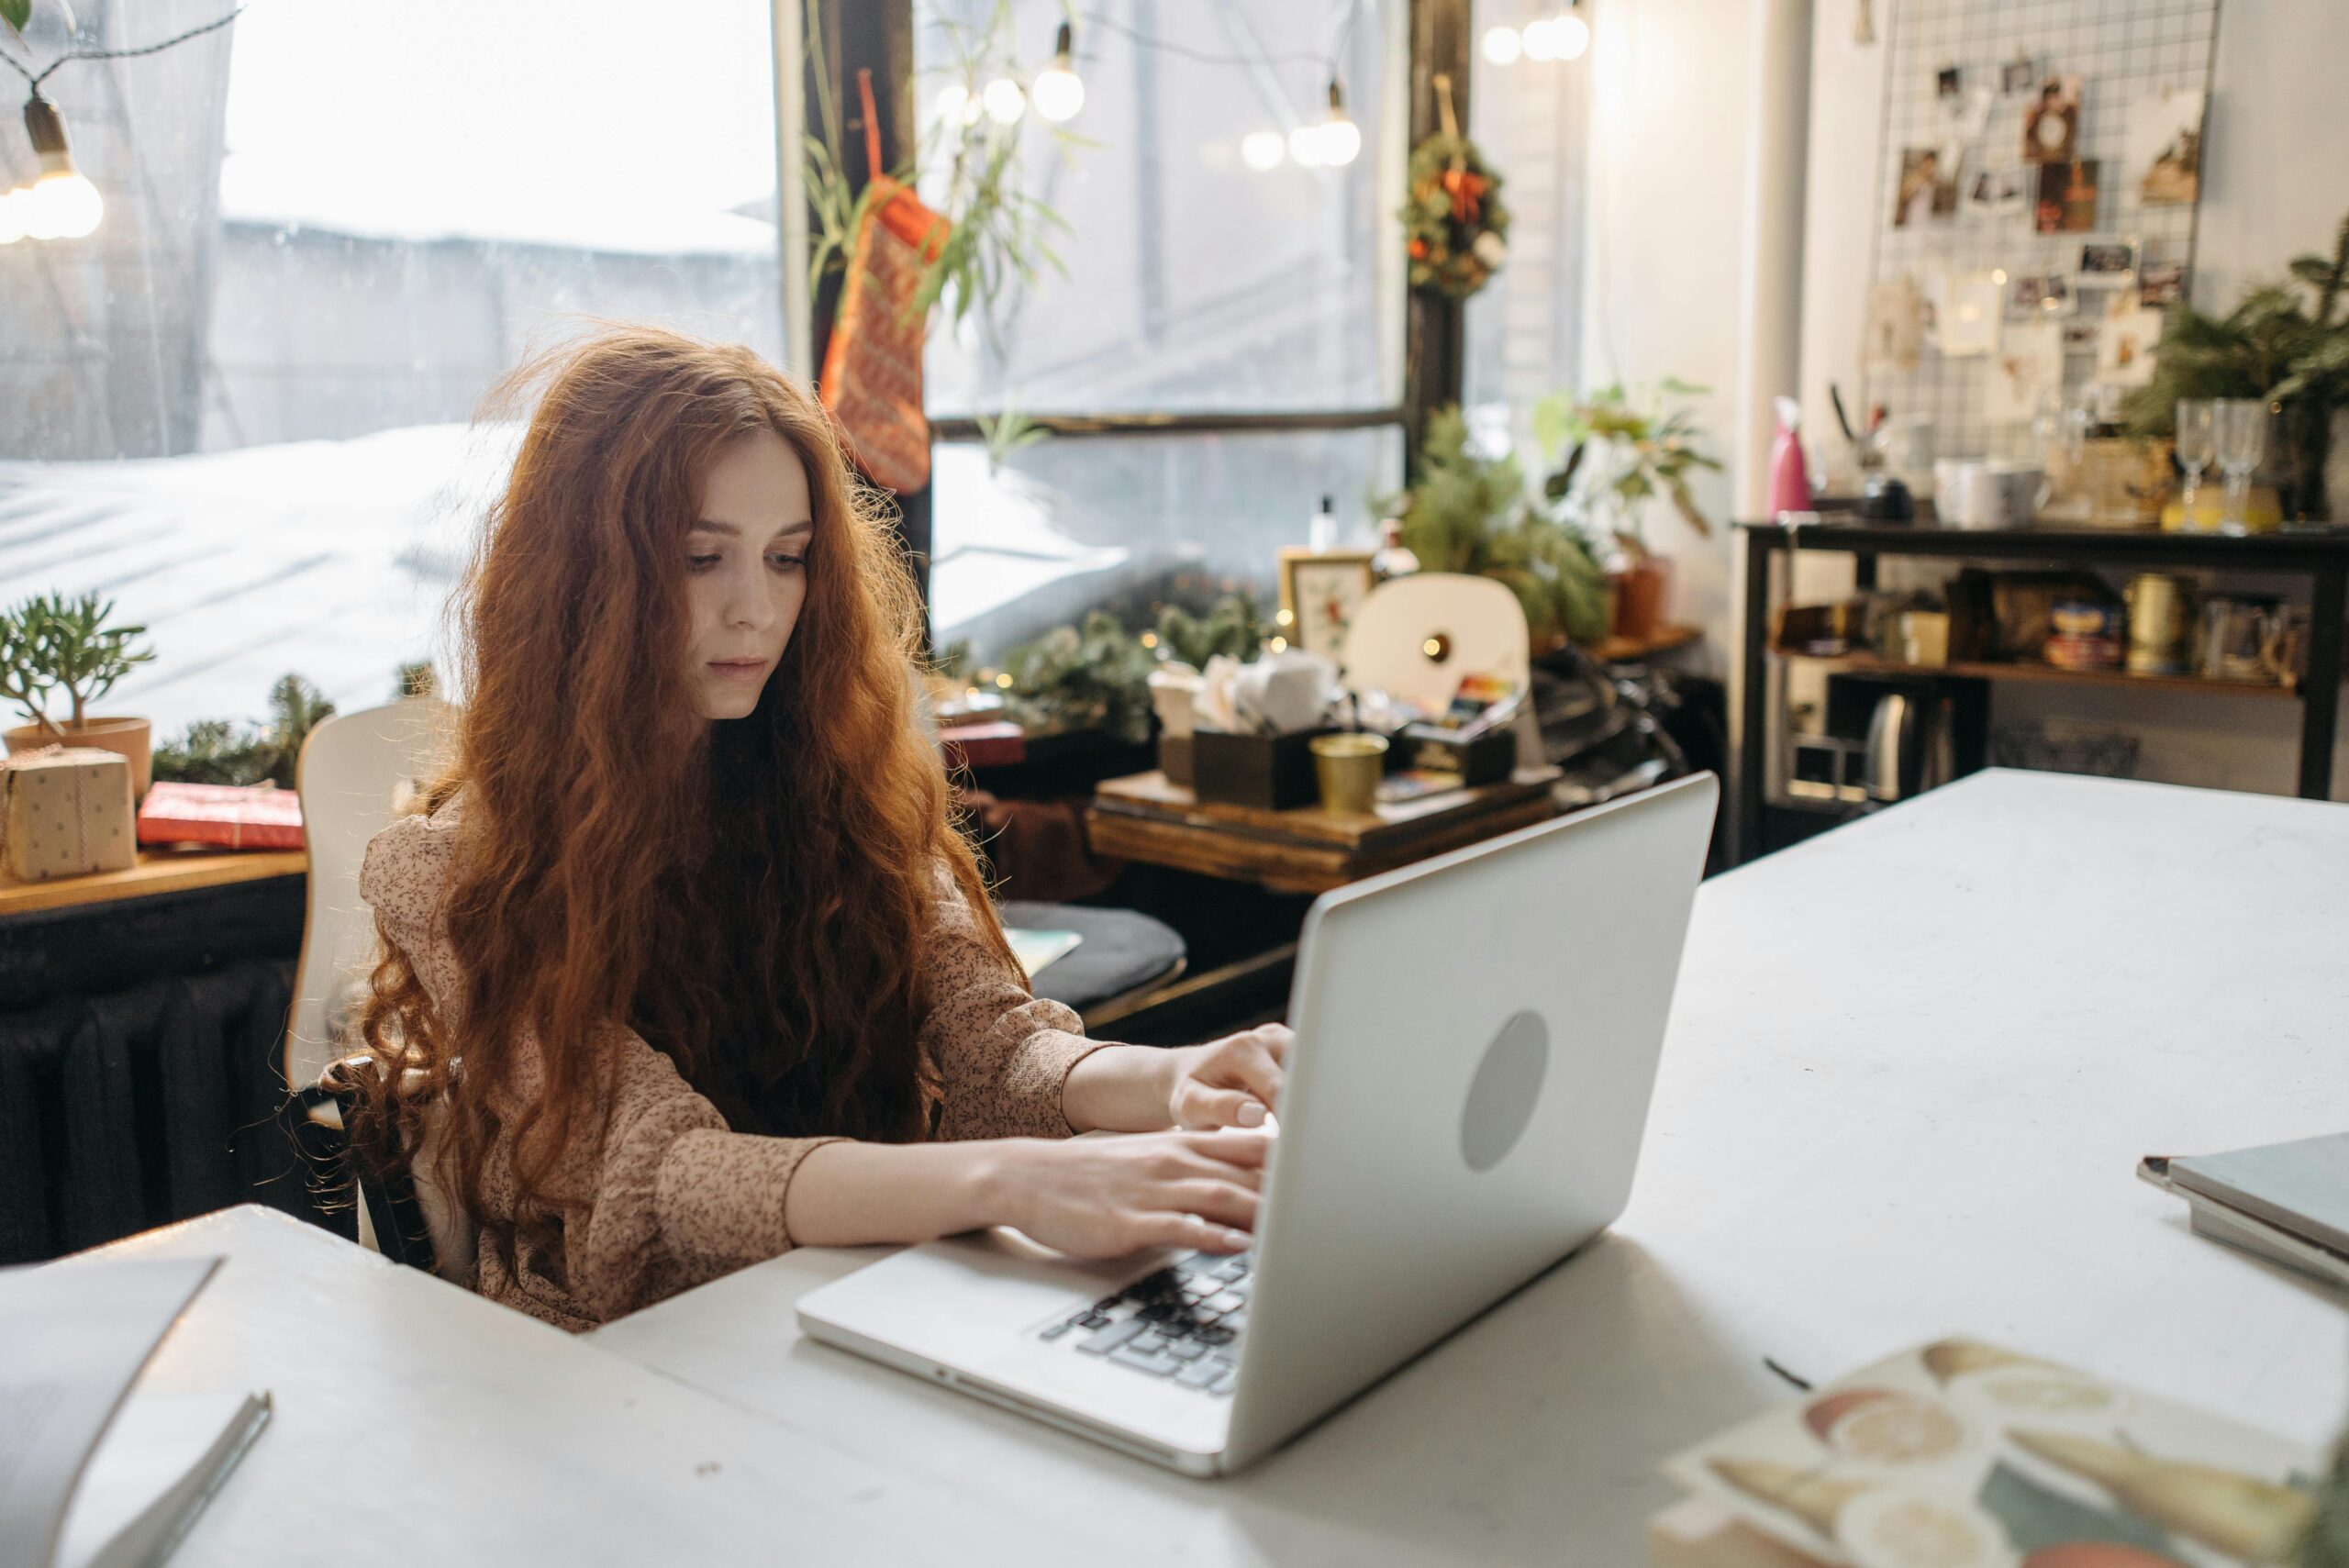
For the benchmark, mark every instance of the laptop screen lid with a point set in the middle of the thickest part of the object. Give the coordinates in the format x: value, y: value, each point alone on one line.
x: 1476, y: 1042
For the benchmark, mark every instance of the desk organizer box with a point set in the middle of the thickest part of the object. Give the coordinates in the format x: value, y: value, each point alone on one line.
x: 65, y: 811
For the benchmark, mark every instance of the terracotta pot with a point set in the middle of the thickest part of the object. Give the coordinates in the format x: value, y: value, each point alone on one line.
x: 134, y: 738
x: 1640, y: 593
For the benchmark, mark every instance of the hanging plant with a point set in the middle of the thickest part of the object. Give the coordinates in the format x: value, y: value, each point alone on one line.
x: 1454, y: 227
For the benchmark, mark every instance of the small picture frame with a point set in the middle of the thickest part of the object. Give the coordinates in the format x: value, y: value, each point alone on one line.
x: 1321, y: 594
x: 2018, y: 75
x: 2107, y: 263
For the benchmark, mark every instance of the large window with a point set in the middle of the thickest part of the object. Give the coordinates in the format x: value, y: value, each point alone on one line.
x: 1529, y: 116
x: 240, y: 407
x: 1209, y: 277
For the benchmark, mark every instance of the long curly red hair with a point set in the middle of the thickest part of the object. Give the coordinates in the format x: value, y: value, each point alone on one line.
x: 749, y: 897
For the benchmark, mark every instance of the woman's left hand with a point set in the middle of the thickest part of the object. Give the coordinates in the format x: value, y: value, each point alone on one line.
x: 1232, y: 1081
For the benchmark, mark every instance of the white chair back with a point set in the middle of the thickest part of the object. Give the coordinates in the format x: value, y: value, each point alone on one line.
x: 354, y: 771
x: 1416, y: 636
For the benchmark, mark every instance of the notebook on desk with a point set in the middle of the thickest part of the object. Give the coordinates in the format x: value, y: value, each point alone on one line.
x: 93, y: 1472
x: 2288, y: 1202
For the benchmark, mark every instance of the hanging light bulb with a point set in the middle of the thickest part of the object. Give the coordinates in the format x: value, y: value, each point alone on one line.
x: 12, y: 217
x: 1570, y: 32
x: 954, y: 105
x: 1058, y: 93
x: 1263, y: 150
x: 61, y: 204
x: 1340, y: 139
x: 1503, y: 45
x: 1004, y: 101
x: 1541, y: 40
x: 1305, y: 146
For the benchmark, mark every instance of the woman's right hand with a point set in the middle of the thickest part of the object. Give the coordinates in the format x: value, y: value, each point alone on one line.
x: 1106, y: 1196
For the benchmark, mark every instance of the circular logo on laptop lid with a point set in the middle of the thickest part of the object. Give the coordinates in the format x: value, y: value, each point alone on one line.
x: 1502, y: 1095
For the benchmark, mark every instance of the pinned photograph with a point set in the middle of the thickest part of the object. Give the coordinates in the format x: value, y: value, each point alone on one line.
x: 1895, y: 336
x: 2026, y: 373
x: 2018, y: 75
x: 2081, y: 335
x: 1997, y: 194
x: 1928, y: 186
x: 2107, y: 263
x: 2161, y: 285
x: 1971, y: 309
x: 1949, y: 85
x: 2066, y: 197
x: 2125, y: 347
x: 1965, y: 116
x: 2051, y: 126
x: 2042, y: 295
x: 2165, y: 149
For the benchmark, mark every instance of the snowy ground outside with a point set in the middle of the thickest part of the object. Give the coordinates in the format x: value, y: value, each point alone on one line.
x: 334, y: 560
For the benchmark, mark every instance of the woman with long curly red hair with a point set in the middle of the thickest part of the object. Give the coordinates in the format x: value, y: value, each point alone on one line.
x: 684, y: 952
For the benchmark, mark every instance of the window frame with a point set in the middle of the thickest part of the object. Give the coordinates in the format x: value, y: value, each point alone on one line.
x: 878, y: 35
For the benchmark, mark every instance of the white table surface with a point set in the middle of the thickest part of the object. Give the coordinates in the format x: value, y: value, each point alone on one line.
x: 1911, y: 1070
x: 416, y: 1424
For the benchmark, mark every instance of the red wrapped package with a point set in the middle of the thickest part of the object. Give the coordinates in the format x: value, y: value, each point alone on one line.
x: 231, y: 815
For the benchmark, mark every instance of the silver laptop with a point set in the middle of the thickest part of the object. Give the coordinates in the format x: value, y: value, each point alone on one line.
x: 1477, y: 1039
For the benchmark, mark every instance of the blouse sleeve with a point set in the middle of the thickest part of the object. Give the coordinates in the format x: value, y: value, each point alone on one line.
x: 1003, y: 1053
x: 668, y: 1199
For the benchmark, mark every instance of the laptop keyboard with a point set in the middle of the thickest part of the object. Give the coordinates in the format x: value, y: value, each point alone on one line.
x: 1181, y: 1324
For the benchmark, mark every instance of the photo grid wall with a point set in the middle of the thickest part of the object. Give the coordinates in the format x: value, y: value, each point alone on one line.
x: 2126, y: 54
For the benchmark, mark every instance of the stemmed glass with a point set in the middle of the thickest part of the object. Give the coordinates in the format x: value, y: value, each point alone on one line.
x: 2240, y: 431
x: 2195, y: 447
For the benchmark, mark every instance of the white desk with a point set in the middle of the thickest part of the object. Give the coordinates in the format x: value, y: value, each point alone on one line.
x: 1911, y: 1069
x: 415, y: 1423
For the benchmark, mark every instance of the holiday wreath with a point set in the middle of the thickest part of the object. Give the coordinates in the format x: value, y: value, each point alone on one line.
x: 1454, y: 226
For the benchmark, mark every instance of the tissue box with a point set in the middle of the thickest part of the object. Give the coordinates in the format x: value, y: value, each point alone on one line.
x: 1270, y: 773
x: 1488, y: 759
x: 65, y: 811
x: 233, y: 817
x: 1174, y: 757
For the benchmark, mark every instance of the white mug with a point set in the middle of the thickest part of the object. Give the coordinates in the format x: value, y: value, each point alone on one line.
x: 1971, y: 493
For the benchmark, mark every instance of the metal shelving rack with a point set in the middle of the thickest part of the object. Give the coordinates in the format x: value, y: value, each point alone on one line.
x: 2322, y: 557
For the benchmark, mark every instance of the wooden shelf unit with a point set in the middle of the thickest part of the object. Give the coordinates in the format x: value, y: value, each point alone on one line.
x: 2038, y: 673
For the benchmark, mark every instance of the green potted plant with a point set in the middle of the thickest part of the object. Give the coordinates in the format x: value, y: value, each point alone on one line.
x: 2288, y: 346
x: 49, y: 644
x: 1467, y: 513
x: 1610, y: 460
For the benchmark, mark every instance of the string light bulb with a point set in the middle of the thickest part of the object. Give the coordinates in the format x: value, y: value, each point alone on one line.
x: 1263, y: 150
x: 955, y: 106
x: 1004, y: 101
x: 61, y: 204
x: 1057, y: 91
x: 1503, y: 45
x: 12, y: 217
x: 1340, y: 139
x: 1570, y: 33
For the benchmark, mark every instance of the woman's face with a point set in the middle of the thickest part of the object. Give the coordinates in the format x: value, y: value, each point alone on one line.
x: 746, y: 571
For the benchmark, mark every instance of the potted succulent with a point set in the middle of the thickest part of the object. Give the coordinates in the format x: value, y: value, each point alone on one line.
x: 49, y: 644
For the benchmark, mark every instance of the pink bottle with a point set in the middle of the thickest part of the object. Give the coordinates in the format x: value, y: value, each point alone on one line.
x: 1790, y: 480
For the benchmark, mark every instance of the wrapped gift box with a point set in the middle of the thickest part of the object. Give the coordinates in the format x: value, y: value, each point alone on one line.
x: 233, y: 817
x: 65, y: 811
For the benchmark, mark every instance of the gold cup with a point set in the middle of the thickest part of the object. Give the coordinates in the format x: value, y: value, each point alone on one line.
x: 1349, y: 767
